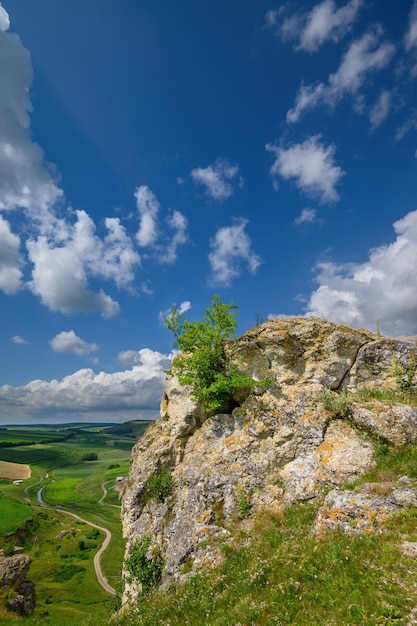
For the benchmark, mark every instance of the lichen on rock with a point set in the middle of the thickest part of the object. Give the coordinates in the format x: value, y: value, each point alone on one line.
x: 275, y: 447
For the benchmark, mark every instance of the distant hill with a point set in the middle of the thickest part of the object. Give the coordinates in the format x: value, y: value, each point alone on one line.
x: 134, y: 428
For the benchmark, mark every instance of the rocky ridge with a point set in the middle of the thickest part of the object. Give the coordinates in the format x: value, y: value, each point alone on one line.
x: 272, y: 448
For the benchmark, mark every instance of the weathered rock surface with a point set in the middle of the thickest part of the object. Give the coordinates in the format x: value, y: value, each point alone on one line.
x: 366, y: 509
x: 20, y: 592
x: 277, y: 445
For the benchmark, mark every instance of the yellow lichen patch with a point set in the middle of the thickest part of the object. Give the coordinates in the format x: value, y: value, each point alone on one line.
x: 336, y: 513
x: 324, y: 452
x: 237, y: 440
x: 204, y: 517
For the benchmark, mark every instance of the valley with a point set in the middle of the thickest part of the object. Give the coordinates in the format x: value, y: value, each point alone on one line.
x: 59, y: 503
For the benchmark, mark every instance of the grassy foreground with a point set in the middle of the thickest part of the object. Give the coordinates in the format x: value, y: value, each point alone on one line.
x: 278, y: 573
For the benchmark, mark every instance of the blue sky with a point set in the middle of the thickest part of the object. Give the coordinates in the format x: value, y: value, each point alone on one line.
x: 156, y: 153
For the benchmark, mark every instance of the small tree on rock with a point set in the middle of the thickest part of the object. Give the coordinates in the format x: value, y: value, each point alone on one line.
x: 202, y: 362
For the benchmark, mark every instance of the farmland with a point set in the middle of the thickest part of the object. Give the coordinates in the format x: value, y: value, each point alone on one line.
x: 57, y: 479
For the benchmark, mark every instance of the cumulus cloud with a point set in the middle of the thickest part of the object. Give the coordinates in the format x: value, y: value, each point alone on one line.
x: 365, y: 55
x: 17, y: 339
x: 11, y: 260
x: 65, y: 256
x: 312, y: 165
x: 310, y: 29
x: 162, y: 244
x: 382, y: 289
x: 182, y: 308
x: 61, y: 268
x: 70, y: 343
x: 119, y: 395
x: 217, y: 179
x: 307, y: 216
x: 25, y: 181
x: 148, y: 207
x: 230, y: 248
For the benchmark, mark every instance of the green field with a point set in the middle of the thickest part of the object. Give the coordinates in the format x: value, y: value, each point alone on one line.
x: 62, y: 548
x: 13, y: 514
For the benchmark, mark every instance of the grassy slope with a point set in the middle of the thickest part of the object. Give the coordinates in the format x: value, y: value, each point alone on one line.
x: 278, y: 573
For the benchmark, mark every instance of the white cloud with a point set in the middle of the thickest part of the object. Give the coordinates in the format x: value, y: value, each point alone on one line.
x: 65, y: 255
x: 25, y: 181
x: 230, y: 247
x: 168, y: 252
x: 163, y: 245
x: 70, y: 343
x: 364, y: 56
x: 146, y: 362
x: 382, y: 289
x: 311, y: 164
x: 17, y: 339
x: 217, y: 179
x: 325, y: 22
x: 307, y: 216
x: 92, y: 396
x: 380, y: 110
x: 61, y: 268
x: 4, y: 19
x: 11, y: 260
x: 148, y: 207
x: 411, y: 35
x: 183, y: 308
x: 409, y: 125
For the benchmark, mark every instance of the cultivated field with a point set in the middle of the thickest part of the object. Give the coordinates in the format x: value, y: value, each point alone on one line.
x: 14, y: 471
x: 57, y: 477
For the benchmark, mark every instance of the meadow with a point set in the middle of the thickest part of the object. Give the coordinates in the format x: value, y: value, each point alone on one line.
x: 33, y: 518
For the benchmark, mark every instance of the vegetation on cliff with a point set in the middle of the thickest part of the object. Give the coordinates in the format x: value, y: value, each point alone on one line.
x: 202, y: 362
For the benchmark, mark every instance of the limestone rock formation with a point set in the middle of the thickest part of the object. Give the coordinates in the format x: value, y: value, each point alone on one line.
x: 366, y: 509
x: 19, y: 592
x: 274, y: 447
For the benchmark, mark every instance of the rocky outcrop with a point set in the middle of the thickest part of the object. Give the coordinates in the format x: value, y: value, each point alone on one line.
x: 18, y: 593
x: 274, y: 447
x: 367, y: 508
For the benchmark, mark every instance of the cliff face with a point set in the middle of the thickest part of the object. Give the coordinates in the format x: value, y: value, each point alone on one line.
x: 277, y: 445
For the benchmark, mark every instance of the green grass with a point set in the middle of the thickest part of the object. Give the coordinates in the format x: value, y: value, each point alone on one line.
x: 12, y: 514
x: 62, y: 492
x: 286, y: 576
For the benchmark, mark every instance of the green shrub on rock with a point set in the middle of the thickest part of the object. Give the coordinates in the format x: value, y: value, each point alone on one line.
x: 202, y: 362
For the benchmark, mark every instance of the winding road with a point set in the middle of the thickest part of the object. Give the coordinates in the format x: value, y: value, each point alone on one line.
x: 97, y: 557
x: 97, y: 565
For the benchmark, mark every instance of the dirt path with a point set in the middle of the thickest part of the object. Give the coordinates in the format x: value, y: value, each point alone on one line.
x: 97, y: 565
x: 104, y: 490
